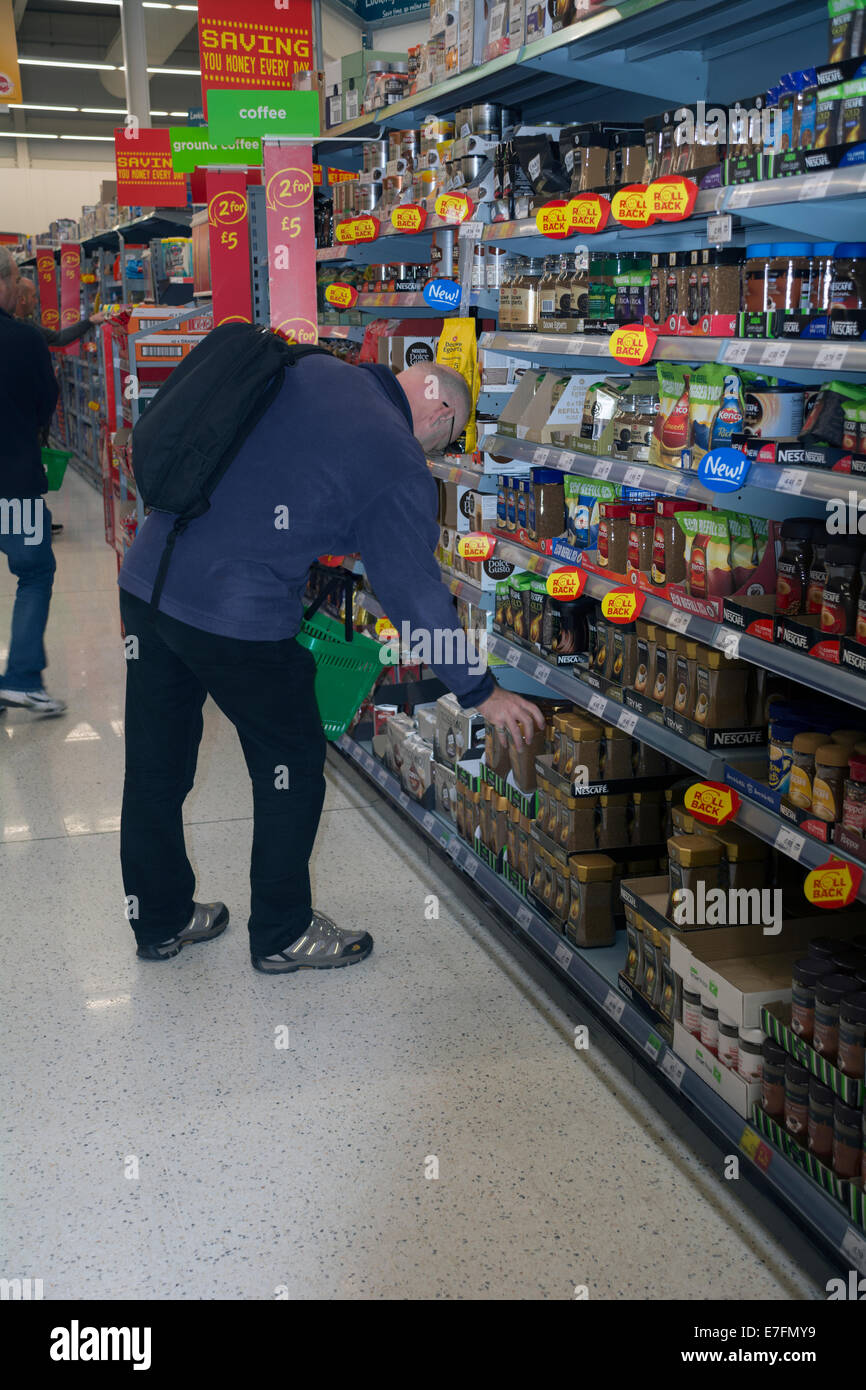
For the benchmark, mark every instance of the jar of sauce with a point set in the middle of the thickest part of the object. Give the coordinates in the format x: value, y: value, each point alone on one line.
x: 774, y: 1058
x: 830, y: 990
x: 852, y: 1035
x: 806, y: 974
x: 729, y: 1042
x: 709, y: 1026
x: 692, y: 1012
x: 820, y: 1130
x: 796, y: 1100
x: 847, y: 1140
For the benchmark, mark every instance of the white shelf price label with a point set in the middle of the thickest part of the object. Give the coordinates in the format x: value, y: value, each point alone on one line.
x: 513, y: 657
x: 369, y: 763
x: 597, y: 704
x: 633, y: 477
x: 382, y: 776
x: 789, y: 842
x: 428, y: 821
x: 776, y: 355
x: 736, y: 352
x: 524, y: 916
x: 673, y: 1068
x: 740, y: 197
x: 540, y: 457
x: 678, y: 620
x: 627, y: 721
x: 792, y: 480
x: 727, y: 641
x: 814, y: 186
x: 601, y: 468
x: 831, y: 358
x: 454, y: 848
x: 720, y: 229
x: 471, y: 864
x: 853, y: 1244
x: 471, y: 230
x: 614, y: 1004
x: 403, y: 800
x: 541, y: 672
x: 563, y: 956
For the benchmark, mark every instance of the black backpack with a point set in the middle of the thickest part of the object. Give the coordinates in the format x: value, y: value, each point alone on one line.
x: 199, y: 418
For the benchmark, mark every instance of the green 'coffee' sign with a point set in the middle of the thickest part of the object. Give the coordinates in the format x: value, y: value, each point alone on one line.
x: 238, y: 114
x: 193, y: 148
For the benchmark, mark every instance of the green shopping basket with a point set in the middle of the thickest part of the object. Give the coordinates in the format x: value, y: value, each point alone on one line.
x: 345, y: 671
x: 54, y: 462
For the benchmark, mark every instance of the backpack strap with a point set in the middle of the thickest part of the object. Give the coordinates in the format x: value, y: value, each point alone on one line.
x: 180, y: 525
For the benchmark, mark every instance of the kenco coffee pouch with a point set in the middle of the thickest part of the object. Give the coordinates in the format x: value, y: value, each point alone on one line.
x: 708, y: 553
x: 744, y: 549
x: 670, y: 437
x: 705, y: 401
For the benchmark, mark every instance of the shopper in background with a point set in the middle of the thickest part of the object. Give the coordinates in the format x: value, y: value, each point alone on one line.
x: 336, y: 465
x: 28, y: 395
x: 26, y: 307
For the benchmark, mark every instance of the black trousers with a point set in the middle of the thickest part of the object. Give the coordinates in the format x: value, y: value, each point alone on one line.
x: 266, y: 690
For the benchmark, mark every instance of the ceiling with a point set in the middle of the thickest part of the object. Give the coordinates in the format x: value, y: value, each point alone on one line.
x: 69, y: 31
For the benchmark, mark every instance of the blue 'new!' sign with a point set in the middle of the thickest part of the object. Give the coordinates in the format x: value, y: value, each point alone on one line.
x: 442, y: 294
x: 724, y: 470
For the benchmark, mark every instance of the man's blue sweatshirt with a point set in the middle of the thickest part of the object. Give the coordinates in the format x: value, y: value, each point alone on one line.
x: 336, y: 448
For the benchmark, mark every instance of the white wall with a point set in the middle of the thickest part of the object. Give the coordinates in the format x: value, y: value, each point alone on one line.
x: 31, y: 198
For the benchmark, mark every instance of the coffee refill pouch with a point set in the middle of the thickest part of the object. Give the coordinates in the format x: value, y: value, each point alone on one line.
x: 744, y: 548
x: 670, y: 436
x: 582, y: 498
x: 705, y: 401
x: 458, y: 349
x: 708, y: 553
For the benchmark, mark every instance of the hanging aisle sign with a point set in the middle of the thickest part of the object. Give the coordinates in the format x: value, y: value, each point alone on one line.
x: 288, y: 178
x: 10, y: 76
x: 234, y: 115
x: 145, y: 175
x: 46, y: 274
x: 253, y: 43
x: 70, y: 290
x: 229, y: 236
x: 193, y: 148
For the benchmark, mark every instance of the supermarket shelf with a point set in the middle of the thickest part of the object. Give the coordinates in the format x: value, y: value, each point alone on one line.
x: 638, y: 48
x: 773, y: 829
x: 806, y: 1204
x: 353, y: 332
x: 412, y: 304
x: 806, y: 203
x: 453, y: 473
x: 818, y: 484
x: 461, y: 587
x: 827, y: 680
x: 812, y: 355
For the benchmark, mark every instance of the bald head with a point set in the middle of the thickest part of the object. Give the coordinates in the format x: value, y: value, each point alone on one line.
x: 9, y: 274
x: 26, y: 298
x: 440, y: 402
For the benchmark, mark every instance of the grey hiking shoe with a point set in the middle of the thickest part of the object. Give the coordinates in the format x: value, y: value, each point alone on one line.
x: 323, y: 946
x: 208, y: 920
x: 38, y: 700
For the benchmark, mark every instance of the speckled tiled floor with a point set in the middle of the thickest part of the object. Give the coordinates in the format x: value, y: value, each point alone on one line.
x: 158, y: 1143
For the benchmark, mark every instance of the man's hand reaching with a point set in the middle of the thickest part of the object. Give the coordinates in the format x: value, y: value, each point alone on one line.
x: 512, y: 712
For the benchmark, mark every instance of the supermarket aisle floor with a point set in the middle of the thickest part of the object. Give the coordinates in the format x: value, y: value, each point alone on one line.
x: 161, y: 1141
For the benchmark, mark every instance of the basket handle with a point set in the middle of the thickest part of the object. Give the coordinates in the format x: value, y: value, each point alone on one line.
x: 342, y: 579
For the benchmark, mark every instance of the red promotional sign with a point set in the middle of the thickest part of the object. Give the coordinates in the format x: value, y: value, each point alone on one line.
x: 46, y: 274
x: 144, y: 172
x: 633, y: 345
x: 588, y: 213
x: 70, y: 290
x: 229, y: 234
x: 356, y: 229
x: 288, y: 178
x: 554, y: 219
x: 672, y: 197
x: 255, y: 44
x: 631, y: 206
x: 411, y: 217
x: 341, y: 296
x: 622, y: 605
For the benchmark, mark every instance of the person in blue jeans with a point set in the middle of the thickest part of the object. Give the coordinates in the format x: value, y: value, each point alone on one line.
x: 28, y: 395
